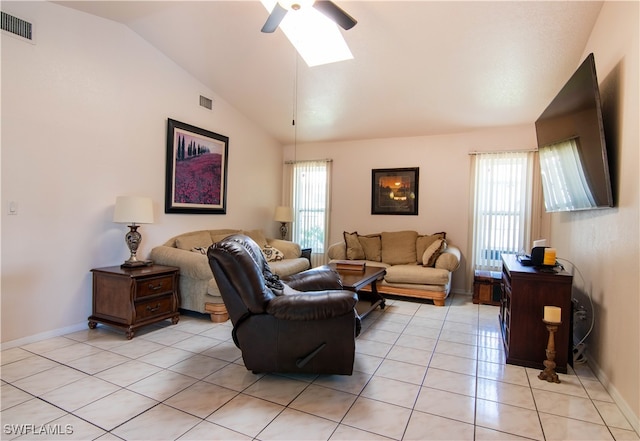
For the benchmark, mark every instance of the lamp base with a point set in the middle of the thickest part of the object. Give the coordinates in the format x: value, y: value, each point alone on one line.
x: 283, y: 230
x: 136, y: 263
x: 133, y: 239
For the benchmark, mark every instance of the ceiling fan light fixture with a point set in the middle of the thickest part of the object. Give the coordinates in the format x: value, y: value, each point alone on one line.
x: 316, y: 37
x: 296, y: 5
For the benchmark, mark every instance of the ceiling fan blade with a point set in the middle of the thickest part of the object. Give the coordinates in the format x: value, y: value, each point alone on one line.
x: 274, y: 19
x: 335, y: 13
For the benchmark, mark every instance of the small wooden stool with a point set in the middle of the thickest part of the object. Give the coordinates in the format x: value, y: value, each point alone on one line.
x: 486, y: 287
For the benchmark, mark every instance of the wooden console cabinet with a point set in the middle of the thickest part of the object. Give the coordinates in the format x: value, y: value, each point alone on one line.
x: 526, y: 291
x: 129, y: 298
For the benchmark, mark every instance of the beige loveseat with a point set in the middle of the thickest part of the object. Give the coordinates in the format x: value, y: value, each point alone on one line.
x: 416, y: 265
x: 198, y: 288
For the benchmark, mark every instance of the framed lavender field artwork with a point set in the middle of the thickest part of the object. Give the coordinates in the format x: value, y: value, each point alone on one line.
x: 394, y: 191
x: 196, y: 170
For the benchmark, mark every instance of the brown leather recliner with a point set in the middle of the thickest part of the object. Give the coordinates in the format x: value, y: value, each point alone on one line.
x: 307, y: 324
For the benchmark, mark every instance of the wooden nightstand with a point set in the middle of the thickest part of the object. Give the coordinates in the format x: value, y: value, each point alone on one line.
x: 129, y: 298
x: 487, y: 289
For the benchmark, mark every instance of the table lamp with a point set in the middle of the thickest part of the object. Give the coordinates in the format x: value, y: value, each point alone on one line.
x: 283, y: 215
x: 133, y: 210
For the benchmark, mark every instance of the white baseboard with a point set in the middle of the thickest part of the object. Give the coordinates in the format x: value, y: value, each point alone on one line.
x: 43, y: 336
x: 626, y: 410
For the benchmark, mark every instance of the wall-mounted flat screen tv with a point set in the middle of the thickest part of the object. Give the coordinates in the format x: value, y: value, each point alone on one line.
x: 572, y: 148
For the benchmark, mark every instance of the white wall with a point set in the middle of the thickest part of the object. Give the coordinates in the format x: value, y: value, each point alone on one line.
x: 84, y: 119
x: 604, y: 244
x: 444, y: 187
x: 84, y: 114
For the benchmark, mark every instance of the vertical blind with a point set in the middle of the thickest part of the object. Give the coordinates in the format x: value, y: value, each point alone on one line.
x: 502, y: 207
x: 311, y: 202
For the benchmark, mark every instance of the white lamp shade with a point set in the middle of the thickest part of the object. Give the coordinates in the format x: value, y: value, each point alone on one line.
x: 283, y: 214
x: 133, y: 210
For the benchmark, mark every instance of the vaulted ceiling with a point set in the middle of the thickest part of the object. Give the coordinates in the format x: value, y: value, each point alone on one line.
x: 420, y: 67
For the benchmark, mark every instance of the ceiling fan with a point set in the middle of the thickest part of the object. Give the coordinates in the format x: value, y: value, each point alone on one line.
x: 328, y: 8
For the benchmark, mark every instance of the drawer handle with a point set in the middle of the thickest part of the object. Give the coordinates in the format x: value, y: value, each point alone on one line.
x: 155, y: 287
x: 154, y: 309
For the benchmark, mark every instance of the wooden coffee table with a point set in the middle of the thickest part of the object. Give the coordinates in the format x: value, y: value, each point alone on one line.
x: 356, y: 280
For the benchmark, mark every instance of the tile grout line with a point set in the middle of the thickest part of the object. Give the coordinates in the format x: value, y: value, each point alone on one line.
x: 477, y: 313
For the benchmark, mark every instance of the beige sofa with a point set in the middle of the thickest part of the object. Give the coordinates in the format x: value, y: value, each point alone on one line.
x: 198, y: 289
x: 418, y: 266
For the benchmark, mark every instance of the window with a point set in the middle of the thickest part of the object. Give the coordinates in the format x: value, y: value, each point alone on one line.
x: 501, y: 207
x: 311, y: 184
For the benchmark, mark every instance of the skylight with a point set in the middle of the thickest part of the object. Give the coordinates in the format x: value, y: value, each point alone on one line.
x: 316, y: 37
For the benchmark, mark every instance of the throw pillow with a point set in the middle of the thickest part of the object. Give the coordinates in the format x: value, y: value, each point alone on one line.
x: 201, y: 250
x: 354, y: 248
x: 433, y: 251
x: 272, y: 254
x: 399, y: 247
x: 372, y: 246
x: 423, y: 242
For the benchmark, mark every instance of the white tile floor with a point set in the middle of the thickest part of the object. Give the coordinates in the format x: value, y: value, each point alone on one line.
x: 421, y: 373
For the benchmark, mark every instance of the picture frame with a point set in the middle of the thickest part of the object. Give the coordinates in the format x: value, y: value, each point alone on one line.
x: 395, y: 191
x: 196, y: 172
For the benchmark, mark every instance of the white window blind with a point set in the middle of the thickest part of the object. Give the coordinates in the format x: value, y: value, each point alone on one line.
x: 311, y: 201
x: 502, y: 207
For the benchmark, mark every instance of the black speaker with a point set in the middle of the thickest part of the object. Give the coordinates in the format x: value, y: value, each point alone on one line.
x: 537, y: 256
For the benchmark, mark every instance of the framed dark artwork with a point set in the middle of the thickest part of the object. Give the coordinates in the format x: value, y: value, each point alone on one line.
x: 394, y: 191
x: 196, y: 170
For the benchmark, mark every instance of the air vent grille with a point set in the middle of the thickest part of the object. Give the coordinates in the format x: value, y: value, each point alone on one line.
x: 206, y: 102
x: 17, y: 26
